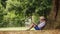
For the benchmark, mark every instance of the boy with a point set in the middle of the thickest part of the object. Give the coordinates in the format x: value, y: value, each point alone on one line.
x: 42, y: 23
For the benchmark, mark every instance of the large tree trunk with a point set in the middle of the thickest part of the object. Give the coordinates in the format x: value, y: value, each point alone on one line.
x: 54, y: 17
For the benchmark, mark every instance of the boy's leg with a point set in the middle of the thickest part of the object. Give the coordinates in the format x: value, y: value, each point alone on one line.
x: 32, y: 25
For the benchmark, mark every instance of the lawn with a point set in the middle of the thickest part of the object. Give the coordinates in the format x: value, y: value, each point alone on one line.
x: 14, y: 28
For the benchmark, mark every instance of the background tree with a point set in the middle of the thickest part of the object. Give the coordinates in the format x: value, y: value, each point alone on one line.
x: 14, y: 12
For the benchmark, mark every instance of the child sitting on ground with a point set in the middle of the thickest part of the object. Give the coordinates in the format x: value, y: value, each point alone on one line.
x: 42, y: 23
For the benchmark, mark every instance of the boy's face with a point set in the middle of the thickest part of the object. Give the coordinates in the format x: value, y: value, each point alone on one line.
x: 41, y: 19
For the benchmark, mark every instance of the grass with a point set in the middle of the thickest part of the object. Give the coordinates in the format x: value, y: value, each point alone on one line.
x: 14, y: 28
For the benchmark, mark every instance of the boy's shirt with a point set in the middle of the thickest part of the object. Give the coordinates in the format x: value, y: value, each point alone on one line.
x: 41, y: 24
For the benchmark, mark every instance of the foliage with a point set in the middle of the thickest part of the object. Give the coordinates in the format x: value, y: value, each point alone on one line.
x: 14, y: 12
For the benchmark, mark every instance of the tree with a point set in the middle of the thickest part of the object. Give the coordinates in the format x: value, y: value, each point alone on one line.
x: 16, y: 11
x: 54, y: 17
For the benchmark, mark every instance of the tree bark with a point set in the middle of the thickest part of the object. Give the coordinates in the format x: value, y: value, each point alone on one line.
x: 54, y: 17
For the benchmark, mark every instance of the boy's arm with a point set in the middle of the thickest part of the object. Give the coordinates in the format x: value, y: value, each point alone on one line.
x: 32, y: 25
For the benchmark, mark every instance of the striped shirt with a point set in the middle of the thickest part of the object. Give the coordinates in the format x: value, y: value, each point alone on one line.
x: 41, y: 25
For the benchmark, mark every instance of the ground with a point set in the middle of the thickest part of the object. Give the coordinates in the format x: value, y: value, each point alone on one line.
x: 14, y: 28
x: 17, y: 30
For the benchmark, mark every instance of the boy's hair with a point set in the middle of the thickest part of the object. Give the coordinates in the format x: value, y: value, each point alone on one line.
x: 42, y: 17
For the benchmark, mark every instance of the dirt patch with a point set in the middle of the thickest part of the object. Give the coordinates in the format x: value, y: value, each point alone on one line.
x: 31, y: 32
